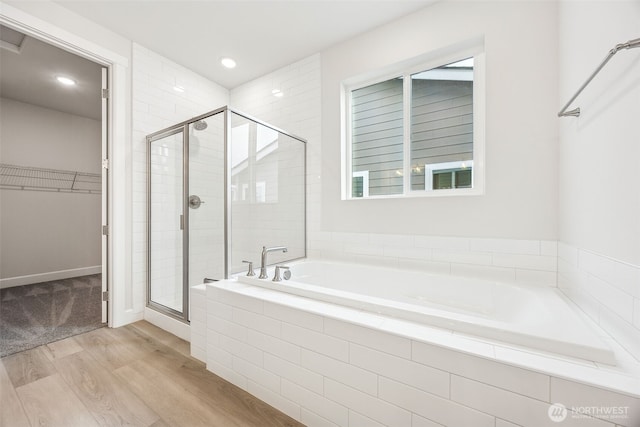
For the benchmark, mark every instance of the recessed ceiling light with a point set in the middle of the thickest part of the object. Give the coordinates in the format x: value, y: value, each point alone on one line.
x: 178, y: 89
x: 228, y: 62
x: 277, y: 92
x: 66, y: 81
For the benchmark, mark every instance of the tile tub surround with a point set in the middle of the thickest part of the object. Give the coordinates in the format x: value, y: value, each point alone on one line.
x: 521, y: 261
x: 606, y: 289
x: 328, y: 365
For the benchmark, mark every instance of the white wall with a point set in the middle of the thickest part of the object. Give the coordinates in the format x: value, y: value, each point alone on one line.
x: 520, y: 199
x: 599, y: 208
x: 45, y: 232
x: 599, y: 152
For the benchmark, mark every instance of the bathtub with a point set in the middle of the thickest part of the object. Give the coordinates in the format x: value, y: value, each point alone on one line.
x: 540, y: 318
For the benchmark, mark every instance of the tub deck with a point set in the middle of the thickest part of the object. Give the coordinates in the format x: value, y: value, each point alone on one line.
x: 541, y: 318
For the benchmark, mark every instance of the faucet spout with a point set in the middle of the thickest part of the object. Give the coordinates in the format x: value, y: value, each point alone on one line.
x: 263, y: 264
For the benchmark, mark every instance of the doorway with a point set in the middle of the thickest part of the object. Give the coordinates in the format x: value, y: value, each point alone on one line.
x: 54, y: 191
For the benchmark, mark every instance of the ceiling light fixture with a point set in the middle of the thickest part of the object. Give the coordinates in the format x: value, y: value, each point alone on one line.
x: 277, y: 92
x: 66, y: 81
x: 228, y: 62
x: 178, y: 88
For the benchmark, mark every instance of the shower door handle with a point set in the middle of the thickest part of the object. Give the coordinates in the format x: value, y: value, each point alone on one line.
x: 195, y: 201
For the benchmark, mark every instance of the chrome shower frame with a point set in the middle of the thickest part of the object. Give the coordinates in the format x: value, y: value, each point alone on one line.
x: 184, y: 128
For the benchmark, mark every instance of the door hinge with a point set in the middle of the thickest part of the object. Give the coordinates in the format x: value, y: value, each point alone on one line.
x: 105, y: 296
x: 105, y: 230
x: 105, y: 163
x: 105, y: 93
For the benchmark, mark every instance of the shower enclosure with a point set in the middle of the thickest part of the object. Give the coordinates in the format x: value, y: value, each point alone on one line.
x: 220, y: 186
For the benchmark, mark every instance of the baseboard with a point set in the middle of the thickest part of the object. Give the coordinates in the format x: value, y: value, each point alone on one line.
x: 10, y: 282
x: 162, y: 321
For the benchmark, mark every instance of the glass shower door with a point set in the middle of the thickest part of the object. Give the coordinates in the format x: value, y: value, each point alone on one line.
x: 206, y: 200
x: 166, y: 220
x: 219, y: 176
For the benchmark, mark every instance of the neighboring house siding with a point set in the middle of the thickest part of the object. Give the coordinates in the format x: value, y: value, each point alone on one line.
x: 441, y: 130
x: 441, y: 124
x: 377, y: 135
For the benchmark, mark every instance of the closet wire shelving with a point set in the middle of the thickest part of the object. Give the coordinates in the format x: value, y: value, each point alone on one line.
x: 41, y: 179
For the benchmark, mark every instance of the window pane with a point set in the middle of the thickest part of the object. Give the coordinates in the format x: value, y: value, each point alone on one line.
x: 442, y: 180
x: 376, y: 139
x: 441, y: 123
x: 356, y: 187
x: 463, y: 178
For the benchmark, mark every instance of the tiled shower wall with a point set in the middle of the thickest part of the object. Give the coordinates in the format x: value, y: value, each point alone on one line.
x: 156, y: 105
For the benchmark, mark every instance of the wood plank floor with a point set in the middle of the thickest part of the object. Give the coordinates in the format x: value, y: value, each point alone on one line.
x: 137, y: 375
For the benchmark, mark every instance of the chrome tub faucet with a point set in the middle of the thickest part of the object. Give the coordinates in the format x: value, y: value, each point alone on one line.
x: 277, y: 277
x: 263, y: 264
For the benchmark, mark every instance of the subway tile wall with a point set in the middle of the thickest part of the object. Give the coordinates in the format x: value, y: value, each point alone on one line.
x: 326, y: 371
x: 528, y: 262
x: 155, y: 106
x: 606, y: 289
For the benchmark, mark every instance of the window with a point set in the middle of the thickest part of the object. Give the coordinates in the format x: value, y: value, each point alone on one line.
x: 442, y: 176
x: 360, y: 184
x: 415, y: 133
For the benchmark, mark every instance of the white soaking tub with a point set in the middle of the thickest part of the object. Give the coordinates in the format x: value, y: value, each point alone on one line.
x: 540, y: 318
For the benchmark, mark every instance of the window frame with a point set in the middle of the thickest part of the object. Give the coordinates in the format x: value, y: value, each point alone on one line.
x: 405, y: 70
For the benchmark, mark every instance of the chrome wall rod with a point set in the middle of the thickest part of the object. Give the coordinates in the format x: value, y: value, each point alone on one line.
x: 576, y: 111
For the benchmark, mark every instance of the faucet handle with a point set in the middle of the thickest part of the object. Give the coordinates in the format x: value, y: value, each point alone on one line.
x: 277, y: 277
x: 250, y: 272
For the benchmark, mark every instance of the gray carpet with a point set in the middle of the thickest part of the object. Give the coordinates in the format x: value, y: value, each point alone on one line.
x: 33, y: 315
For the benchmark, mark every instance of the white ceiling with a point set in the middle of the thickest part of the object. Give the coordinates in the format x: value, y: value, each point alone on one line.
x: 29, y: 75
x: 261, y: 36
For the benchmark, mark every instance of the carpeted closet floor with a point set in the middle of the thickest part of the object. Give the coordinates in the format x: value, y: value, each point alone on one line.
x: 33, y: 315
